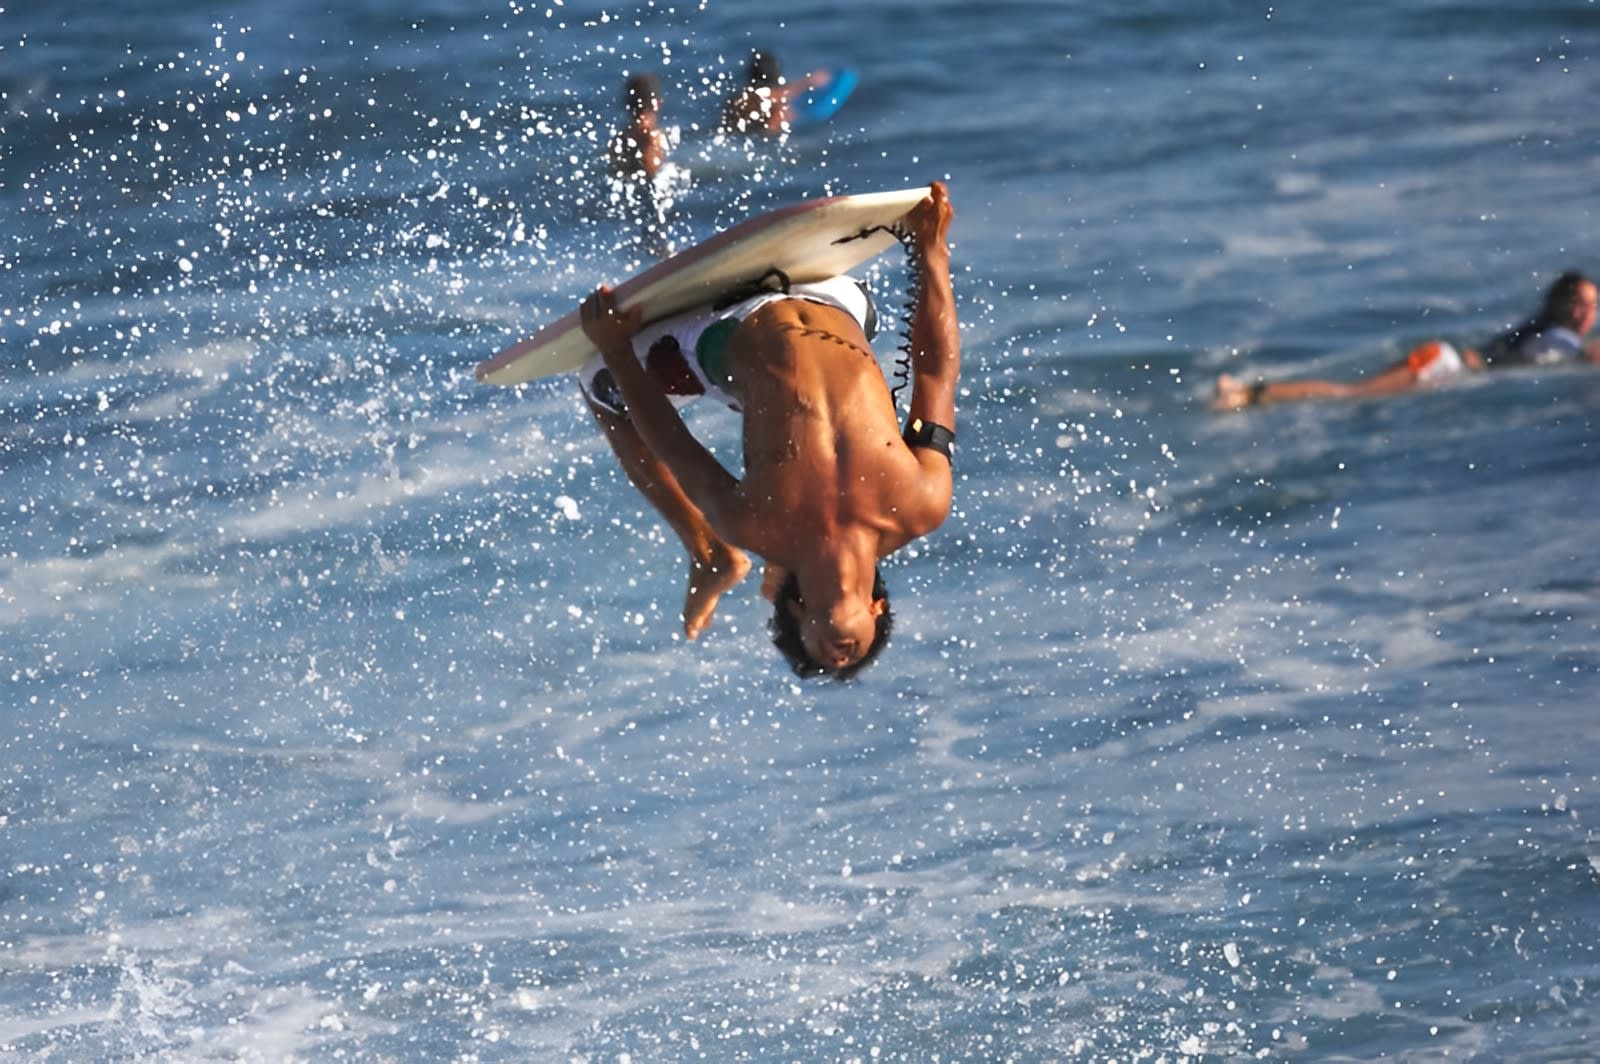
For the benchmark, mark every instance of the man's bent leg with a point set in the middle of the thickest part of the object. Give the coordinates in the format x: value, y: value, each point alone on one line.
x: 714, y: 566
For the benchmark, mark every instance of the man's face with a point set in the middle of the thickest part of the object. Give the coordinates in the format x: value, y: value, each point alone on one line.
x: 1583, y: 309
x: 840, y: 636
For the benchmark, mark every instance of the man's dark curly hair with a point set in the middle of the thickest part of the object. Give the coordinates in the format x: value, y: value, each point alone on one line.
x: 786, y: 632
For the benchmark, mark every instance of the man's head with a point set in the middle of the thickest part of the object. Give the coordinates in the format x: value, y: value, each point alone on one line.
x: 838, y: 640
x: 763, y: 71
x: 1570, y: 301
x: 641, y: 94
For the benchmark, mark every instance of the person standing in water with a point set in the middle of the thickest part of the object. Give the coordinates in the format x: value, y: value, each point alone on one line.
x: 635, y: 157
x: 640, y: 147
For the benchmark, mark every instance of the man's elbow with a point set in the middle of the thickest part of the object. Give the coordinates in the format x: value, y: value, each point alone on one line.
x: 930, y: 516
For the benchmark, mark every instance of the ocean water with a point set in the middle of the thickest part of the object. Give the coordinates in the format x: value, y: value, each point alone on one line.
x: 344, y: 713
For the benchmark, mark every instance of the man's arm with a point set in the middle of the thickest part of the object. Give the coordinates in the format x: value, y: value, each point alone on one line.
x: 707, y: 483
x: 935, y: 355
x: 790, y: 91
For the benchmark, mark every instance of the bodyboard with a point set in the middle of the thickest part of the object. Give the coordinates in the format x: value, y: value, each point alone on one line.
x: 808, y: 242
x: 821, y: 102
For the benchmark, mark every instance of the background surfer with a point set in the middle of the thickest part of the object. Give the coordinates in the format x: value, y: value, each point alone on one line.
x: 635, y: 157
x: 1554, y: 335
x: 640, y: 147
x: 830, y: 483
x: 764, y: 104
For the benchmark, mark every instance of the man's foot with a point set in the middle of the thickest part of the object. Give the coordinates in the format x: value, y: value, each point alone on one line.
x: 1232, y: 393
x: 709, y: 578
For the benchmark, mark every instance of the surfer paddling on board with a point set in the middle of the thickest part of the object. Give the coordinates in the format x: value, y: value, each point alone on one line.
x: 831, y: 482
x: 1555, y: 335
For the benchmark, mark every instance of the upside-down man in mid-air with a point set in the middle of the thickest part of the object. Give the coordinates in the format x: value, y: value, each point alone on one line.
x: 831, y: 484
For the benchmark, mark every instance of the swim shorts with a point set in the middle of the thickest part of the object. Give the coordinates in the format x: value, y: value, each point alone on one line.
x: 1434, y: 360
x: 686, y: 352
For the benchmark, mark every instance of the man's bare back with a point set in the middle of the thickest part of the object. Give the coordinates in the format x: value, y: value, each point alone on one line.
x: 822, y: 446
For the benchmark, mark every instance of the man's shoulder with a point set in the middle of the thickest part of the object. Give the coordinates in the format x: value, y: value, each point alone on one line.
x: 1543, y: 342
x: 1533, y: 341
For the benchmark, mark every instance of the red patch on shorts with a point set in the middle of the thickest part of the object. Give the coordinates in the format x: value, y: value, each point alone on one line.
x: 666, y: 363
x: 1423, y: 356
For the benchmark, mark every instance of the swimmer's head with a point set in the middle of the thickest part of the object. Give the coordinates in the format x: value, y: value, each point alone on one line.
x: 838, y: 642
x: 1570, y: 301
x: 763, y: 70
x: 641, y: 94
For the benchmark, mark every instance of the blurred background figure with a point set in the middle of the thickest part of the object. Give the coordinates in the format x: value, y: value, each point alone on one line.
x: 764, y: 103
x: 640, y: 147
x: 636, y: 158
x: 1556, y: 334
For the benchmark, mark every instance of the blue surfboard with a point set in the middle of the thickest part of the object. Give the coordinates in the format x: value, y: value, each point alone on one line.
x: 821, y: 102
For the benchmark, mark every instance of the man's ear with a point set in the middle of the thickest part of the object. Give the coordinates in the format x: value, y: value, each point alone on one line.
x: 878, y: 607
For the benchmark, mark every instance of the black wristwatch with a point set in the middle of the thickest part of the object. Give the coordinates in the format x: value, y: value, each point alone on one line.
x: 920, y: 433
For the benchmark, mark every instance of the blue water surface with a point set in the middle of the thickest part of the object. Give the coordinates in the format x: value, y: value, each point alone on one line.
x: 344, y: 709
